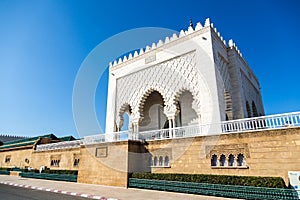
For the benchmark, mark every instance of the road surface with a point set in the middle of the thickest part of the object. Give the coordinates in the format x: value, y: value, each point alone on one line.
x: 8, y: 192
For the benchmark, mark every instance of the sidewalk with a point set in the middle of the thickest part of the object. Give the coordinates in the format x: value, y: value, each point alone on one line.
x: 98, y: 191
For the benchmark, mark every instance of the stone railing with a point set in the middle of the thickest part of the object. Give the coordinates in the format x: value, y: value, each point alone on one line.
x: 262, y: 123
x: 59, y: 145
x: 109, y: 137
x: 279, y: 121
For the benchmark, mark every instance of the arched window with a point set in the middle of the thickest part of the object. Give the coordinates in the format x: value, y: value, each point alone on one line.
x: 155, y: 161
x: 254, y: 110
x: 76, y: 163
x: 248, y: 109
x: 167, y: 161
x: 231, y: 161
x: 222, y: 160
x: 241, y: 160
x: 228, y: 106
x: 214, y: 160
x: 161, y: 161
x: 151, y: 161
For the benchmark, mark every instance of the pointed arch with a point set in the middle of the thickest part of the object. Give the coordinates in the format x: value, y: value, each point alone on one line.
x: 222, y: 160
x: 231, y: 161
x: 180, y: 92
x: 155, y: 161
x: 241, y: 160
x: 167, y: 161
x: 151, y: 109
x: 145, y: 97
x: 214, y: 160
x: 161, y: 161
x: 124, y: 116
x: 185, y: 104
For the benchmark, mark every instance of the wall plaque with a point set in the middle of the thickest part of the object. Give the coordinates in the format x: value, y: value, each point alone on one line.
x: 101, y: 152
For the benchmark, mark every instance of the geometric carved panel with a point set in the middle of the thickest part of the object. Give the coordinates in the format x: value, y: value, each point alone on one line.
x: 169, y: 78
x: 233, y: 149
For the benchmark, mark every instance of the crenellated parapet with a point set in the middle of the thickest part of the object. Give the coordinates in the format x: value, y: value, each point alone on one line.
x: 182, y: 33
x: 232, y: 45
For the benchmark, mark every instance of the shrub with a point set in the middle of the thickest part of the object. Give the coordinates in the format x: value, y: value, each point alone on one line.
x: 53, y: 171
x: 256, y: 181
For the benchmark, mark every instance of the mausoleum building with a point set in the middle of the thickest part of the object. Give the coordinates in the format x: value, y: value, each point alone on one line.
x: 193, y: 105
x: 185, y: 79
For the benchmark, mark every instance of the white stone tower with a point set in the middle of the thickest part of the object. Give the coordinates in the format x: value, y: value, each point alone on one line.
x: 190, y: 78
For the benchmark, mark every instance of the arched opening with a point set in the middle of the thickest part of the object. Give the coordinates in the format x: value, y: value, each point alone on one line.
x: 152, y: 113
x: 125, y: 125
x: 161, y: 161
x: 222, y: 160
x: 228, y: 106
x: 76, y: 163
x: 241, y: 160
x: 124, y: 115
x: 231, y: 161
x: 151, y: 161
x: 254, y: 110
x: 214, y: 160
x: 248, y: 109
x: 155, y: 161
x: 167, y: 161
x: 186, y: 115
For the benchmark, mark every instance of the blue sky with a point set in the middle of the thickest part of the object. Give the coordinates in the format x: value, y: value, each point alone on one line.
x: 43, y: 43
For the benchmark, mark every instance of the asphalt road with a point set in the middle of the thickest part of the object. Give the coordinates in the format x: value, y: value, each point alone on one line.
x: 8, y: 192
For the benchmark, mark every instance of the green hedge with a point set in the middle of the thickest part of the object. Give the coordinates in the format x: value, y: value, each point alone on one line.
x: 270, y: 182
x: 57, y: 177
x: 231, y: 191
x: 48, y: 171
x: 53, y: 171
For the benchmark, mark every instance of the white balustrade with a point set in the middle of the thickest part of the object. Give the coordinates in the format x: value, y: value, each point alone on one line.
x: 279, y: 121
x: 109, y: 137
x: 262, y: 123
x: 59, y: 145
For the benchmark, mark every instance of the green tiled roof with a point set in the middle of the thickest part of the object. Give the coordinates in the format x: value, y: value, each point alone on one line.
x: 26, y: 142
x: 5, y: 146
x: 33, y: 138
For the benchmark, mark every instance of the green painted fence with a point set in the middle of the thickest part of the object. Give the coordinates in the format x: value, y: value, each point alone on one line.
x: 57, y: 177
x: 232, y: 191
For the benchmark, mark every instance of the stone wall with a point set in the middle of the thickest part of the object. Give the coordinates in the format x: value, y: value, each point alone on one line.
x: 267, y: 153
x: 104, y: 164
x: 18, y: 158
x: 66, y: 158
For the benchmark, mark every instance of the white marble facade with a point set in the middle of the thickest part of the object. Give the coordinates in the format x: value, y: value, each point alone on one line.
x: 193, y: 77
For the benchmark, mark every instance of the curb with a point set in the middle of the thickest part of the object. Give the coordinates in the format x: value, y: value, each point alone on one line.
x: 57, y: 191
